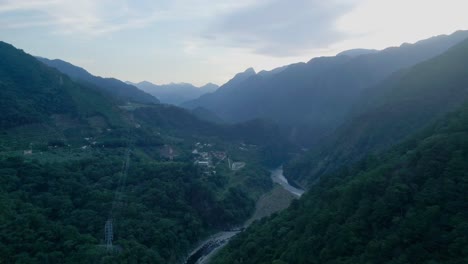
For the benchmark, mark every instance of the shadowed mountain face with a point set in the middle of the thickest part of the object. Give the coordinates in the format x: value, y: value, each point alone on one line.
x: 114, y: 87
x: 389, y: 112
x: 175, y: 93
x: 313, y: 98
x: 370, y: 199
x: 407, y: 206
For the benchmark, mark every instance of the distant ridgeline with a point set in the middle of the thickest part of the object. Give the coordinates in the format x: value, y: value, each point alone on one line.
x: 175, y: 93
x: 113, y: 87
x: 311, y: 99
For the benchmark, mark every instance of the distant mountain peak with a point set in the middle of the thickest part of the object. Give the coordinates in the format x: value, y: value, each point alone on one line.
x: 250, y: 71
x: 210, y: 87
x: 272, y: 72
x: 243, y: 75
x: 210, y: 84
x: 356, y: 52
x: 175, y: 93
x: 145, y: 82
x: 315, y: 96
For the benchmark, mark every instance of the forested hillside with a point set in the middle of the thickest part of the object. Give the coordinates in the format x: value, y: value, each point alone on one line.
x: 329, y: 139
x: 389, y: 112
x: 408, y: 205
x: 31, y: 92
x: 113, y: 87
x: 55, y: 212
x: 63, y: 149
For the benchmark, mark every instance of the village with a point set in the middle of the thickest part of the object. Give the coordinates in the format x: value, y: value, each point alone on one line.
x: 208, y: 158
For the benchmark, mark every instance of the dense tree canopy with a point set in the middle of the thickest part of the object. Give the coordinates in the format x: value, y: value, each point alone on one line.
x: 407, y: 206
x: 62, y: 145
x: 56, y: 211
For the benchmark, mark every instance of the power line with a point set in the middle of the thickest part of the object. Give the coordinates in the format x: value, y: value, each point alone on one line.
x: 118, y: 197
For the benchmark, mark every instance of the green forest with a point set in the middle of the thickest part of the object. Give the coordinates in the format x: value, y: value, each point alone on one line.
x: 408, y: 205
x: 55, y: 212
x: 62, y: 148
x: 386, y: 114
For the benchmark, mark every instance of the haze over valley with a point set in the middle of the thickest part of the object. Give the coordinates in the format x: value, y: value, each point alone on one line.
x: 234, y: 132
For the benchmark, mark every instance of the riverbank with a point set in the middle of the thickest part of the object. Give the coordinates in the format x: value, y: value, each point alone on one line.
x: 277, y: 176
x: 279, y: 198
x: 275, y: 200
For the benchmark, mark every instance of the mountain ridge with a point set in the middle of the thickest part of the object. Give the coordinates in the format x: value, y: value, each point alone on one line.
x: 175, y: 93
x: 306, y: 97
x: 386, y: 114
x: 112, y: 86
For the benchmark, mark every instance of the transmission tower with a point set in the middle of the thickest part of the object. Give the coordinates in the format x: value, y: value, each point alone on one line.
x: 109, y: 234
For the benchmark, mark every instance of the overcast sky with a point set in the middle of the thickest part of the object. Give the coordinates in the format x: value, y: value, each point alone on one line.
x: 200, y: 41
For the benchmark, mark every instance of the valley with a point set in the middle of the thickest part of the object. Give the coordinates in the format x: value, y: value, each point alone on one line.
x: 281, y: 196
x: 355, y: 158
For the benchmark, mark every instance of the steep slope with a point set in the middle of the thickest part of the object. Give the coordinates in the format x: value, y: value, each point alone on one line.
x: 408, y: 206
x: 31, y: 92
x: 175, y: 93
x: 214, y: 101
x: 318, y: 94
x: 391, y: 111
x: 114, y: 87
x: 182, y: 123
x: 204, y: 114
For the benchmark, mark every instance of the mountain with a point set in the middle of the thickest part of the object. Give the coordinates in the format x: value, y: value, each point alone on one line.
x: 405, y: 206
x: 175, y: 93
x: 209, y: 87
x: 114, y: 87
x: 32, y: 92
x: 357, y: 52
x: 206, y: 115
x: 313, y: 98
x: 74, y: 158
x: 272, y: 72
x: 389, y: 112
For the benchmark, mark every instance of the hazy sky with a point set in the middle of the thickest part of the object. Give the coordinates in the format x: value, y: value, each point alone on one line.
x: 202, y: 41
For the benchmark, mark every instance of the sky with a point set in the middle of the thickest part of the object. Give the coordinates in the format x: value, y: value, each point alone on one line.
x: 201, y: 41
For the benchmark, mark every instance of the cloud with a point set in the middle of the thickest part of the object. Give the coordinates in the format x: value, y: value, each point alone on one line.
x: 86, y: 17
x: 92, y: 18
x: 280, y: 28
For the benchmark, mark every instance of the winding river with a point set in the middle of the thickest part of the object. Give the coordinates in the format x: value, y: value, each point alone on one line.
x: 210, y: 246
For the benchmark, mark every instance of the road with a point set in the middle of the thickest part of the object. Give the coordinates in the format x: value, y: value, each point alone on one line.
x: 209, y: 247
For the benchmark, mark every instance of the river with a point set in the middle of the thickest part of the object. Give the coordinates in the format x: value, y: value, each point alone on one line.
x: 278, y: 177
x: 210, y: 246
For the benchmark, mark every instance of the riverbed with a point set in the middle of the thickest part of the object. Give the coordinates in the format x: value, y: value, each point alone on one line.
x: 210, y: 246
x: 277, y: 176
